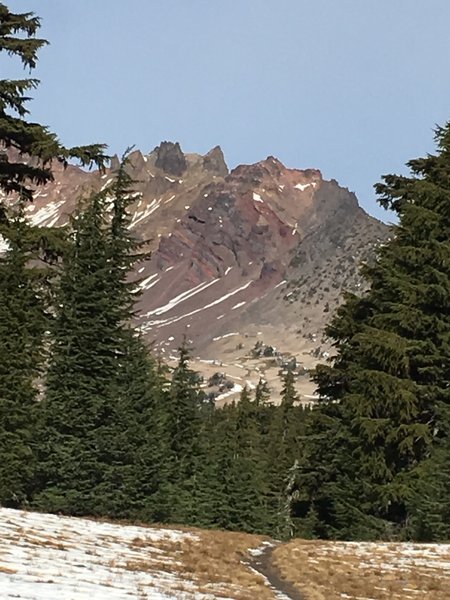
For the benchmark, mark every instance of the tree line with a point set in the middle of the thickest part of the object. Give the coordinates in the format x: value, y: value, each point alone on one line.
x: 91, y: 423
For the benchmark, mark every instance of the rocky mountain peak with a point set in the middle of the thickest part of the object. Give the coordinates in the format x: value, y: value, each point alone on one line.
x: 170, y: 158
x: 214, y: 161
x: 261, y: 254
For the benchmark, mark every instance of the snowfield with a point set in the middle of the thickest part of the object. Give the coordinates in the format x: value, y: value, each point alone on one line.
x: 48, y: 557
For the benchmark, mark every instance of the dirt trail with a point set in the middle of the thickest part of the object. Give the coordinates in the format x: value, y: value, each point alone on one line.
x: 262, y: 563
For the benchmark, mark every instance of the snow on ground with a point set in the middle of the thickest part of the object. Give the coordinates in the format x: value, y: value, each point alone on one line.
x: 280, y: 284
x: 302, y: 186
x: 238, y: 305
x: 221, y: 337
x: 236, y: 389
x: 4, y: 245
x: 139, y: 216
x: 49, y: 557
x: 181, y: 298
x: 48, y: 214
x: 145, y: 283
x: 397, y: 556
x: 107, y: 183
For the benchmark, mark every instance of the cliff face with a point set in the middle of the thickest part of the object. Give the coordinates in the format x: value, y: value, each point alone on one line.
x: 261, y: 253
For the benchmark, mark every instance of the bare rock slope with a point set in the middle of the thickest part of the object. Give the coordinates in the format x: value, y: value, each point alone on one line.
x: 248, y: 264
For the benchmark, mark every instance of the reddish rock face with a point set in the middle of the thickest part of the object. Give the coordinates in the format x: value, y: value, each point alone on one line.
x: 262, y: 245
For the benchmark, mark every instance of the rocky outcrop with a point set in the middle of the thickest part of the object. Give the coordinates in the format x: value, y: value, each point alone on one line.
x: 170, y: 158
x: 262, y: 250
x: 214, y: 161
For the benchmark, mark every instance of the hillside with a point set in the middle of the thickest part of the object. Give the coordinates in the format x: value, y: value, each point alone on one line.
x: 46, y: 557
x: 236, y: 258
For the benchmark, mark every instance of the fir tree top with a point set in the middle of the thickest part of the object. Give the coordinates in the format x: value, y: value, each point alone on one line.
x: 19, y: 137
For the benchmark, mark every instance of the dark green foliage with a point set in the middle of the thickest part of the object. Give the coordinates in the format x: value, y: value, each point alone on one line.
x: 283, y: 439
x: 262, y: 393
x: 23, y: 321
x: 239, y: 479
x: 24, y: 279
x: 18, y: 136
x: 379, y: 440
x: 99, y: 435
x: 182, y: 426
x: 249, y: 484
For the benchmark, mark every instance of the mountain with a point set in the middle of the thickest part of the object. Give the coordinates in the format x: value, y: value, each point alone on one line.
x: 248, y: 264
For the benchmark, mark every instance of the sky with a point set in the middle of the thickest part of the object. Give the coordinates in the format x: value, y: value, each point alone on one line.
x: 354, y: 88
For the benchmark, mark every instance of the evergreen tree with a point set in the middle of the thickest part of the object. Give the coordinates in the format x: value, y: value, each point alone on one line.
x: 23, y: 283
x: 241, y: 475
x: 19, y: 136
x: 135, y: 443
x: 382, y: 426
x: 182, y: 430
x: 99, y: 434
x: 262, y: 393
x: 23, y: 321
x: 285, y: 431
x: 82, y: 369
x: 264, y: 408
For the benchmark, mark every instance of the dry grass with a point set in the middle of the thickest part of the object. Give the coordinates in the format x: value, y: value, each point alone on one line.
x: 45, y: 542
x: 332, y: 571
x: 7, y: 570
x: 215, y: 561
x: 41, y: 548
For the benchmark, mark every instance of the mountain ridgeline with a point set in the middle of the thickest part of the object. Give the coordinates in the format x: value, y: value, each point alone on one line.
x: 250, y: 251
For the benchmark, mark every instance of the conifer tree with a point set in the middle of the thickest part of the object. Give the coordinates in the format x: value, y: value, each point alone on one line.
x: 219, y: 475
x: 241, y: 468
x: 26, y: 151
x: 382, y: 426
x: 99, y: 438
x: 23, y: 321
x: 182, y: 429
x: 262, y: 393
x: 264, y: 409
x: 19, y: 136
x: 80, y: 379
x: 284, y: 436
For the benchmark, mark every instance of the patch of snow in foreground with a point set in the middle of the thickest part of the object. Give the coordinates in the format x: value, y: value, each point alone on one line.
x: 49, y: 557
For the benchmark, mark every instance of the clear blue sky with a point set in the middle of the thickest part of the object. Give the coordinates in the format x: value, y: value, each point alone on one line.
x: 352, y: 87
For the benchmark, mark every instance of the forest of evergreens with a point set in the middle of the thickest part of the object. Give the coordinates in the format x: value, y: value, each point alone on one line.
x: 92, y: 423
